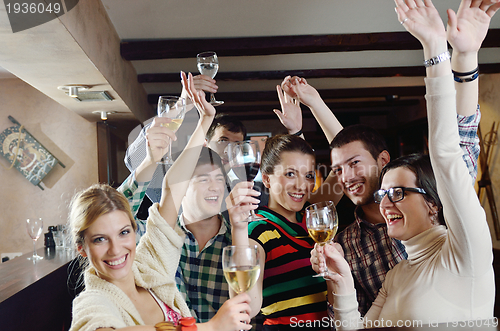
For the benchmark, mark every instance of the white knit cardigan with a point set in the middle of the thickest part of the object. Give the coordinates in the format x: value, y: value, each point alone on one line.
x: 104, y: 305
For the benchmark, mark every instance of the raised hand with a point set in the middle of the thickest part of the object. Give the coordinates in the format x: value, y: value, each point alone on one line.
x: 196, y: 96
x: 157, y: 138
x: 298, y: 88
x: 203, y: 83
x: 468, y: 27
x: 239, y: 202
x: 422, y: 20
x: 290, y: 114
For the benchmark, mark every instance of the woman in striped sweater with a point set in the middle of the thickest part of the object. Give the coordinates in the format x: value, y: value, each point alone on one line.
x: 287, y: 294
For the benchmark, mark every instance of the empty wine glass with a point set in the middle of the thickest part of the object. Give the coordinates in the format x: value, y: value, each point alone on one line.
x: 174, y: 108
x: 34, y: 226
x: 244, y: 159
x: 241, y: 265
x: 322, y: 224
x: 208, y: 64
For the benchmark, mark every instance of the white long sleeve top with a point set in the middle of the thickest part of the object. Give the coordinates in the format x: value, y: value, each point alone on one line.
x: 448, y: 275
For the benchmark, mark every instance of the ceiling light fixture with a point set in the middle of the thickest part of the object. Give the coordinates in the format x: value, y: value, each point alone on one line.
x: 104, y: 113
x: 72, y: 90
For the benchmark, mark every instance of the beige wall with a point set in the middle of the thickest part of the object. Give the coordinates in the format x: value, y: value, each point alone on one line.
x: 69, y: 137
x: 489, y: 99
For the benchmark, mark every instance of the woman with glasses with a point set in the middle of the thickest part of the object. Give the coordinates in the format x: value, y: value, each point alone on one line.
x: 428, y: 202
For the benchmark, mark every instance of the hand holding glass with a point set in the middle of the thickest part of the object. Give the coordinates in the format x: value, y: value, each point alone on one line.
x: 174, y: 108
x: 208, y: 65
x: 244, y: 159
x: 34, y: 226
x: 322, y: 224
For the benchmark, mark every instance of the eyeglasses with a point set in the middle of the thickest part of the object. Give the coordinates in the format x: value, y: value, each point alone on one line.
x: 395, y: 194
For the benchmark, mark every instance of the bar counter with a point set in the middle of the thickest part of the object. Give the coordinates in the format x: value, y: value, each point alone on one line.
x: 35, y: 296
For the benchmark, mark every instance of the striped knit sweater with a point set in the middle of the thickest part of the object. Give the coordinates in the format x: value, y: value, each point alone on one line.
x: 291, y: 296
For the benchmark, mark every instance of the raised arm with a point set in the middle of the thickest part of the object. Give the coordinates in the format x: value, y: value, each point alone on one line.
x: 299, y: 89
x: 201, y: 83
x: 290, y: 114
x: 240, y: 201
x: 134, y: 187
x: 292, y: 90
x: 137, y: 150
x: 469, y: 242
x: 465, y: 32
x: 423, y: 21
x: 176, y: 180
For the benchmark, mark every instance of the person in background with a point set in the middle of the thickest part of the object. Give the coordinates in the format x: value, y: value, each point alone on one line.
x: 225, y: 129
x: 429, y: 203
x: 133, y: 288
x: 155, y: 141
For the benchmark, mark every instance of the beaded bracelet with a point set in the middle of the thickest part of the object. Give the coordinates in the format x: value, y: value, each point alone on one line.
x: 188, y: 324
x: 165, y: 326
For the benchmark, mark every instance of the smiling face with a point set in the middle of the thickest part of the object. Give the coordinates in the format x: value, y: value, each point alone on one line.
x: 410, y: 216
x: 291, y: 183
x: 109, y: 244
x: 357, y: 171
x: 205, y: 192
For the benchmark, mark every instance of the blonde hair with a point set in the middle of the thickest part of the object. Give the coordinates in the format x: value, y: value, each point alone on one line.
x: 91, y: 203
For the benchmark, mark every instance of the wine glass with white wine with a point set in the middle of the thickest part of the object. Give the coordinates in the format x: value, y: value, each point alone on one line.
x: 208, y: 65
x: 34, y: 226
x: 241, y: 265
x: 174, y: 108
x: 322, y: 224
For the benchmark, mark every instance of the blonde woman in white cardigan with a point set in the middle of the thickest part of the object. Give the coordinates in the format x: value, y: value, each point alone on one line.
x: 129, y: 288
x: 429, y: 202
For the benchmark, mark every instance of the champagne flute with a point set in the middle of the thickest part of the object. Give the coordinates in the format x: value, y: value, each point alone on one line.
x: 244, y: 159
x: 241, y: 267
x: 322, y: 224
x: 174, y: 108
x: 34, y: 226
x: 208, y: 64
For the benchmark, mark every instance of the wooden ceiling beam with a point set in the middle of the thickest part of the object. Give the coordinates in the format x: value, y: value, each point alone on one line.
x: 280, y: 74
x: 414, y: 71
x: 369, y: 106
x: 265, y: 96
x: 260, y: 112
x: 134, y: 50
